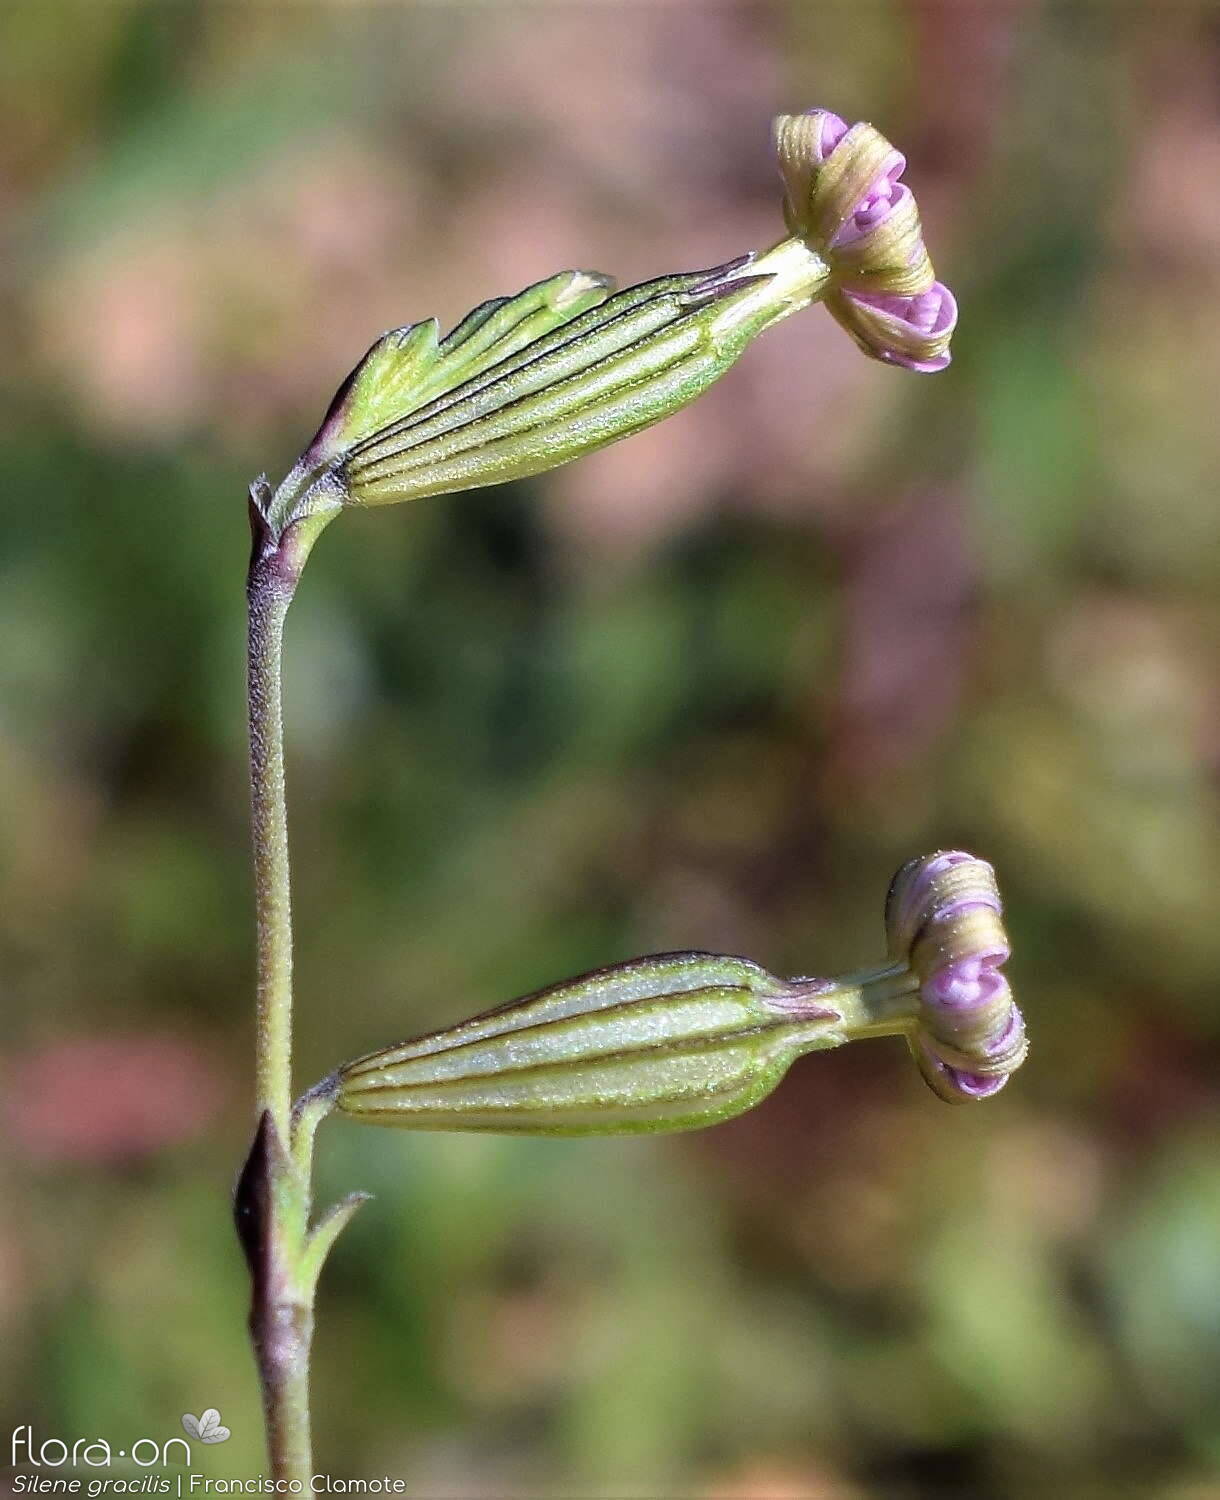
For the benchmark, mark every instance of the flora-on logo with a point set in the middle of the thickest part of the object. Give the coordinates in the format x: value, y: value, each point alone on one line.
x: 208, y: 1428
x: 94, y: 1453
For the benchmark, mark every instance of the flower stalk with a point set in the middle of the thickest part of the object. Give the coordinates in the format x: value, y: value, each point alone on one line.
x: 273, y: 1193
x: 521, y: 385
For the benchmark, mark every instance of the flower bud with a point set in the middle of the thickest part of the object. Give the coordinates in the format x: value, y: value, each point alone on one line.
x: 943, y: 918
x: 688, y: 1039
x: 843, y: 198
x: 529, y: 382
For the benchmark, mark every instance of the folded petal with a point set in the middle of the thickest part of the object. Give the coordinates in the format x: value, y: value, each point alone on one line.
x: 944, y: 918
x: 911, y: 331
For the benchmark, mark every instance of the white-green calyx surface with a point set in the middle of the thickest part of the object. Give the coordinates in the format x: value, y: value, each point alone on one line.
x: 526, y: 383
x: 672, y: 1042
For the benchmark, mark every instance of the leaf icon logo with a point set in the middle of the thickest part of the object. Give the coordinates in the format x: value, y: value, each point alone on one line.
x: 208, y: 1428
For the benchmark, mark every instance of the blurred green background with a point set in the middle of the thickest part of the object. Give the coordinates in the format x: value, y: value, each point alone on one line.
x: 706, y: 689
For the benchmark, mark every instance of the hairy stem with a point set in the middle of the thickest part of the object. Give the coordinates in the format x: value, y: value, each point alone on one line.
x: 283, y: 1350
x: 271, y: 1214
x: 269, y: 594
x: 274, y: 1193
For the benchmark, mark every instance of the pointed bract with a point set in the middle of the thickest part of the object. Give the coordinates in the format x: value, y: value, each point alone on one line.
x: 408, y: 367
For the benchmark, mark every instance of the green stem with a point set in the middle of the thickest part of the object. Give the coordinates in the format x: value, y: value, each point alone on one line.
x: 274, y: 1195
x: 283, y: 1353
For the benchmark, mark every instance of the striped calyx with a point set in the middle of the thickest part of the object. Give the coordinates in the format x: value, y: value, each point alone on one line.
x: 671, y: 1042
x: 526, y: 383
